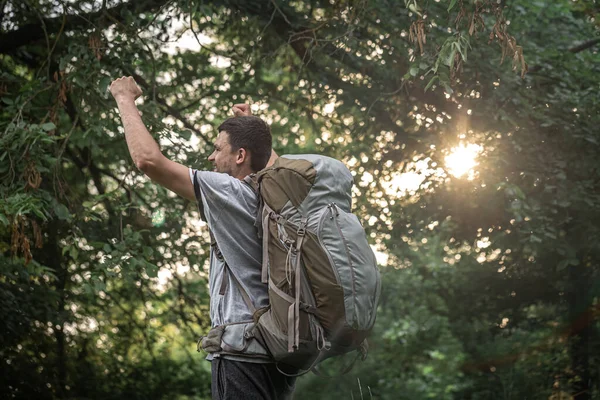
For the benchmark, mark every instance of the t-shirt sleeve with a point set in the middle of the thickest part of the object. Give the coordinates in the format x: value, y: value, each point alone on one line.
x: 214, y: 192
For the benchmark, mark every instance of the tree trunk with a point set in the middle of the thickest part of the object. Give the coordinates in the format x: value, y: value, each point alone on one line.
x: 580, y: 333
x: 52, y: 257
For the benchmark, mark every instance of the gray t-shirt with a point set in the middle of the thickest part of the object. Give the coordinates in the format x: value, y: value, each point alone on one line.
x: 230, y: 207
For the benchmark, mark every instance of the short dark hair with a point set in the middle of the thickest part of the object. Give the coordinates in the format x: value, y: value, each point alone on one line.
x: 250, y: 133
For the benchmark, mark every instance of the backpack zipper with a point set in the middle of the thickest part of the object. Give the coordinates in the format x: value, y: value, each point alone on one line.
x: 334, y: 214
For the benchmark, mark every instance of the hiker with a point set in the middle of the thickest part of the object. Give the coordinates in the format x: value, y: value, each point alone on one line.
x: 241, y: 367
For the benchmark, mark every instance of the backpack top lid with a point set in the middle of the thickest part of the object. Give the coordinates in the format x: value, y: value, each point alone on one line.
x: 306, y: 182
x: 332, y: 183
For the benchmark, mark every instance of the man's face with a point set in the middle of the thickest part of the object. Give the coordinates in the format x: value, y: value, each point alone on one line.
x: 223, y: 159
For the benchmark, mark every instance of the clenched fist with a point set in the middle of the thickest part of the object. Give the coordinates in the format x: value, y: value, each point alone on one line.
x: 125, y: 88
x: 241, y: 110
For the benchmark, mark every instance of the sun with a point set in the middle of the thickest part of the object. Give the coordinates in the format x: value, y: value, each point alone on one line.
x: 462, y: 160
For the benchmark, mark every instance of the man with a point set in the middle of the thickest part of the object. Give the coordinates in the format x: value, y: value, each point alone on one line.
x: 241, y: 368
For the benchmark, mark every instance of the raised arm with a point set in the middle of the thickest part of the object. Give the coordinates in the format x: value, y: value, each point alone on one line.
x: 143, y: 148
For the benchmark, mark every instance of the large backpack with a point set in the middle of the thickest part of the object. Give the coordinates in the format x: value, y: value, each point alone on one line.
x: 323, y: 281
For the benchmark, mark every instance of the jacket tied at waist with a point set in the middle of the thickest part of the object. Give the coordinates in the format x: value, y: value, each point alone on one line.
x: 236, y: 339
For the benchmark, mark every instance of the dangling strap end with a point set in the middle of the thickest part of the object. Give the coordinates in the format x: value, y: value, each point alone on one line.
x: 291, y: 328
x: 265, y: 247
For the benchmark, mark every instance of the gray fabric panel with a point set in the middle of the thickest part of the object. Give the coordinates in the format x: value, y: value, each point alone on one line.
x: 315, y: 218
x: 364, y: 267
x: 291, y: 213
x: 356, y: 267
x: 377, y: 296
x: 331, y: 241
x: 333, y: 183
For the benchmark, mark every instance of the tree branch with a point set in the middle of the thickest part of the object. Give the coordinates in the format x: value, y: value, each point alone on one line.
x: 122, y: 184
x: 574, y: 49
x: 584, y: 46
x: 171, y: 110
x: 34, y: 32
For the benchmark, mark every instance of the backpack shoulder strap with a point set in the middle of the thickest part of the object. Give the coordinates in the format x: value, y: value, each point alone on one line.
x: 228, y: 273
x: 251, y: 181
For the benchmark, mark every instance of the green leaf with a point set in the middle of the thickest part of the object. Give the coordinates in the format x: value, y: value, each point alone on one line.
x: 62, y: 65
x: 452, y: 4
x: 414, y: 71
x: 39, y: 213
x: 431, y: 82
x: 462, y: 50
x: 104, y: 83
x: 151, y: 270
x: 448, y: 88
x: 449, y: 59
x: 48, y: 126
x: 148, y: 252
x: 187, y: 135
x: 535, y: 239
x: 99, y: 285
x: 8, y: 101
x: 415, y: 8
x: 62, y: 212
x: 4, y: 220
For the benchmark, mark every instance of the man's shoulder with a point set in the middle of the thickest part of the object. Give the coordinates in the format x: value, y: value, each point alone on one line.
x: 227, y: 189
x: 217, y: 181
x: 220, y: 177
x: 212, y: 175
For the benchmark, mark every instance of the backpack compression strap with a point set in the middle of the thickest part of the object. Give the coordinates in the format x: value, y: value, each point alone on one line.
x: 266, y: 214
x: 294, y: 344
x: 296, y: 249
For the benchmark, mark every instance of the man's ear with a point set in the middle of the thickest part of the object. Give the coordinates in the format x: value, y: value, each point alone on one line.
x: 242, y: 156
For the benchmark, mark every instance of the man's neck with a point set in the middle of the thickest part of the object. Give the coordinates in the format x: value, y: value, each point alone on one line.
x: 244, y: 172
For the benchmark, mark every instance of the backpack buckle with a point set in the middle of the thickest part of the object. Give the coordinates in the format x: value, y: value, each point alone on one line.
x: 302, y: 228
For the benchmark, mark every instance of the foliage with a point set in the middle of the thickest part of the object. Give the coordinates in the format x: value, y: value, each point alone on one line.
x: 490, y: 277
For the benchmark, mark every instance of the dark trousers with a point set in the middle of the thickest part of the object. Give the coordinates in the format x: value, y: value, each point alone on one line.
x: 237, y: 380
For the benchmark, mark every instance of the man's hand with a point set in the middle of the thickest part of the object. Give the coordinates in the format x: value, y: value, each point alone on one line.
x: 125, y: 88
x: 241, y: 110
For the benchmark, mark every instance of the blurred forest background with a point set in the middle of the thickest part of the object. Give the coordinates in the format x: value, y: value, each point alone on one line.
x: 472, y: 129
